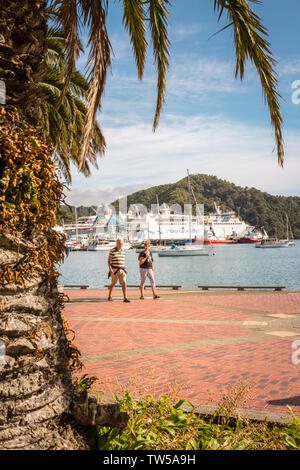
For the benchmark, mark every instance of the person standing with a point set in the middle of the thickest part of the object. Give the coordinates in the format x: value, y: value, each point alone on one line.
x: 117, y: 271
x: 146, y: 270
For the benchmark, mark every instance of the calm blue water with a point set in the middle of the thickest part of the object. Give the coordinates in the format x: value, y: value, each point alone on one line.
x: 231, y: 265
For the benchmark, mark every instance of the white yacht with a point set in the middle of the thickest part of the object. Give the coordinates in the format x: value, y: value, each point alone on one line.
x: 106, y: 245
x: 186, y: 250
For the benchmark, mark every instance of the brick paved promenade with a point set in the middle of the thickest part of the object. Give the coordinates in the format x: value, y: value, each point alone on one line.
x: 204, y: 342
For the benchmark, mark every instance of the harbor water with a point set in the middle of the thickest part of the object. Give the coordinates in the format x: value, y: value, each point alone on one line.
x: 231, y: 265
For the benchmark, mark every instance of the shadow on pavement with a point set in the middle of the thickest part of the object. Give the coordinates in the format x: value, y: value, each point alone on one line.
x: 286, y: 401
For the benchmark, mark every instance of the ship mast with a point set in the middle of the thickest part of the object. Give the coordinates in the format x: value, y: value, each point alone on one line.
x: 190, y: 207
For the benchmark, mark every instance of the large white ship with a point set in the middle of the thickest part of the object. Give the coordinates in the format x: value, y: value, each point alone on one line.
x: 224, y: 227
x: 219, y: 227
x: 161, y: 225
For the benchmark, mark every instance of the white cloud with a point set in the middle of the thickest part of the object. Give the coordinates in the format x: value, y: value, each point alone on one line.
x: 288, y: 67
x: 121, y: 46
x: 97, y: 196
x: 180, y: 33
x: 201, y: 76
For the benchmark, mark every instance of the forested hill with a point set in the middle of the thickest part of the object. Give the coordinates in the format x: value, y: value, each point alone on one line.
x: 255, y: 207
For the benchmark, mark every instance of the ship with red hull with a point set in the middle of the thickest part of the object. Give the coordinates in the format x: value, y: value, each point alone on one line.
x: 222, y: 228
x: 254, y: 236
x: 249, y: 240
x: 213, y: 241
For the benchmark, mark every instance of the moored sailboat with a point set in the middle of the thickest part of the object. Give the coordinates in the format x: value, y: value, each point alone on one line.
x: 188, y: 249
x: 275, y: 242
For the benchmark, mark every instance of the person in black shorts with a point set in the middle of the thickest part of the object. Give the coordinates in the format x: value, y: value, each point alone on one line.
x: 146, y: 270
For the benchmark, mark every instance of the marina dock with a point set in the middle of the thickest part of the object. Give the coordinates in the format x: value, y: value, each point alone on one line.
x: 203, y: 344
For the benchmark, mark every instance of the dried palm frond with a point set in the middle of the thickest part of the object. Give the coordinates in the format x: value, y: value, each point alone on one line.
x: 94, y: 16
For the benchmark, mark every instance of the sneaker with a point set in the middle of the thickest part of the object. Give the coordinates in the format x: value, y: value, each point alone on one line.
x: 126, y: 300
x: 142, y: 298
x: 156, y: 297
x: 110, y: 299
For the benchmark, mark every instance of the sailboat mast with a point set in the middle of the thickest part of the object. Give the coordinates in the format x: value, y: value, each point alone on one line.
x: 190, y: 207
x: 76, y: 228
x: 158, y: 219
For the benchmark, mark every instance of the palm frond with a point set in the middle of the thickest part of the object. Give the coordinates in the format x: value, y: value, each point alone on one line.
x: 250, y: 42
x: 98, y: 63
x: 67, y: 16
x: 79, y: 85
x: 158, y: 22
x: 134, y: 23
x: 64, y: 127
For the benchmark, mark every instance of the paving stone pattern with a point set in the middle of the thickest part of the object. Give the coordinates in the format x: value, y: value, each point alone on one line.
x: 201, y: 344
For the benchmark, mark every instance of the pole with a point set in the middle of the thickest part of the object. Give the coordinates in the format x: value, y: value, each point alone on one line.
x: 76, y: 228
x: 189, y: 189
x: 158, y: 219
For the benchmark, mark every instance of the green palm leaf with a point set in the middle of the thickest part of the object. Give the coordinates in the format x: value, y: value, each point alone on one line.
x: 250, y: 42
x: 64, y: 127
x: 134, y: 23
x: 158, y: 17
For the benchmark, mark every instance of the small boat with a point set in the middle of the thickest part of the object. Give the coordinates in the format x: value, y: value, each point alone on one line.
x: 190, y: 248
x: 180, y: 242
x: 186, y: 250
x: 273, y: 243
x: 106, y: 245
x: 153, y: 248
x: 101, y: 245
x: 73, y: 246
x: 254, y: 236
x: 288, y: 241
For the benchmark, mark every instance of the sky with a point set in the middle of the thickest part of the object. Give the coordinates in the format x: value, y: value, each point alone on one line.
x: 211, y: 123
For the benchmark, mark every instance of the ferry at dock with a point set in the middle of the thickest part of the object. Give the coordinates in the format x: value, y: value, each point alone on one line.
x: 163, y: 225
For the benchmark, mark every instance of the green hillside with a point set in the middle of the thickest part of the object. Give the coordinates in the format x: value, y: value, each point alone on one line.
x: 255, y: 207
x: 66, y: 214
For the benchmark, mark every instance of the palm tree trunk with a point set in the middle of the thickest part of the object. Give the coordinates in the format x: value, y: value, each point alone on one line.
x: 36, y: 387
x: 37, y: 397
x: 23, y: 31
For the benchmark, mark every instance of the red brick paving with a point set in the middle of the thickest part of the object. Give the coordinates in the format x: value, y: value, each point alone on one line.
x: 268, y: 302
x: 202, y: 374
x: 90, y: 337
x: 158, y: 310
x: 202, y: 381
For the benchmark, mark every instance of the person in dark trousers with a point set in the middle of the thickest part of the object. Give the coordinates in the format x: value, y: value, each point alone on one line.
x: 117, y: 271
x: 146, y: 270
